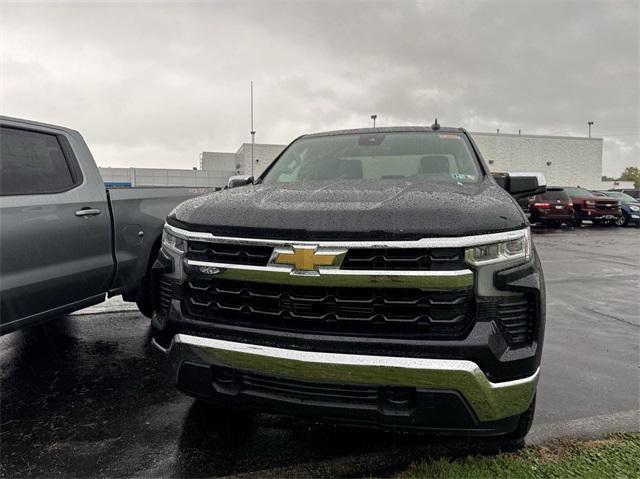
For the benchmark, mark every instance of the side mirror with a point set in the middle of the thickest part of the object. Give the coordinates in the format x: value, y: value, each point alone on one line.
x: 520, y: 185
x: 239, y: 180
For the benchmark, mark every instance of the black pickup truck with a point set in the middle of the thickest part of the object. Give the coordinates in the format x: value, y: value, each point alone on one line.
x: 375, y: 277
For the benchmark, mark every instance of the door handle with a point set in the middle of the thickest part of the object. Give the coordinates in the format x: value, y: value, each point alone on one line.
x: 88, y: 212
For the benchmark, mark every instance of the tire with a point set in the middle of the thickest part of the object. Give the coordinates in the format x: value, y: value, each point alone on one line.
x: 577, y: 221
x: 145, y: 301
x: 209, y: 423
x: 622, y: 220
x: 524, y: 424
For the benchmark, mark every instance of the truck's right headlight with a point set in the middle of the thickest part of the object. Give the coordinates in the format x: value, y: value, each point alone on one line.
x: 512, y: 249
x: 173, y: 243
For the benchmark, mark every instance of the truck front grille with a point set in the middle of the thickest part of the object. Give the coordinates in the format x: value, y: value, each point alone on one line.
x: 515, y: 316
x: 380, y: 312
x: 229, y: 253
x: 373, y: 259
x: 606, y: 205
x: 309, y: 392
x: 165, y: 289
x: 407, y: 259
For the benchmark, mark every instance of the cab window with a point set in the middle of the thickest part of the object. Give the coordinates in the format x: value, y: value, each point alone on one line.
x: 32, y: 163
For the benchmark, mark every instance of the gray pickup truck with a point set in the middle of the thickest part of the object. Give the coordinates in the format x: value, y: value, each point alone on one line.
x: 66, y: 241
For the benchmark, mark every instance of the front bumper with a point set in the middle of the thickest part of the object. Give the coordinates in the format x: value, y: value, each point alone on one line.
x: 598, y: 214
x: 552, y: 214
x: 488, y: 401
x: 478, y: 380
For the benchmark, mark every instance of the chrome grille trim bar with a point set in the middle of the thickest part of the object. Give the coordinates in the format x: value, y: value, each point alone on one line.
x: 449, y: 242
x: 433, y: 280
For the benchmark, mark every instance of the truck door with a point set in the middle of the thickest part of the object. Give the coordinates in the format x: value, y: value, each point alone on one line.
x: 55, y: 248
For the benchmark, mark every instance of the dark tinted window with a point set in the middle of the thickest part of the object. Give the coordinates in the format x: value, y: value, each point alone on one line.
x: 634, y: 193
x: 573, y: 191
x: 555, y: 195
x: 625, y: 198
x: 32, y: 163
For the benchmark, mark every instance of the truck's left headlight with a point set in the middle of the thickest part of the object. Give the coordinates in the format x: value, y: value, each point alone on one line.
x: 512, y: 249
x: 173, y: 243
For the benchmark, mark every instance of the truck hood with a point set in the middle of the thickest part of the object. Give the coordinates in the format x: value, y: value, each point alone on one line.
x: 347, y: 209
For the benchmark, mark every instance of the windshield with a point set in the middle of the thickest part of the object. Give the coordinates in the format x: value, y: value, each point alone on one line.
x: 555, y: 194
x: 621, y: 196
x: 410, y: 156
x: 578, y: 192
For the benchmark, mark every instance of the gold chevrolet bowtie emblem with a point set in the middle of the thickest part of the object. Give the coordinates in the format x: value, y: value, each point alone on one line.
x: 308, y: 258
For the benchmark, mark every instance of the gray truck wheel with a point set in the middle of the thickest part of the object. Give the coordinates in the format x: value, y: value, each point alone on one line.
x: 577, y: 221
x: 145, y: 301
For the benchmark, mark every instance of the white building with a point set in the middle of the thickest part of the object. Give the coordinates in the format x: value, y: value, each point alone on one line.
x: 124, y: 177
x: 617, y: 185
x: 565, y: 161
x: 239, y: 163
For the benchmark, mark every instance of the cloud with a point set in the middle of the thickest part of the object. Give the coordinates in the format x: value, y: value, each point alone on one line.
x: 155, y: 84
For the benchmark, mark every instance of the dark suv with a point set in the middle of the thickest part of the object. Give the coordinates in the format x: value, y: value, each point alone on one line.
x: 375, y: 277
x: 629, y: 206
x: 551, y: 208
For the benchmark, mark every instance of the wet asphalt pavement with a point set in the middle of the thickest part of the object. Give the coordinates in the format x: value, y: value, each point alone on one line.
x: 83, y: 396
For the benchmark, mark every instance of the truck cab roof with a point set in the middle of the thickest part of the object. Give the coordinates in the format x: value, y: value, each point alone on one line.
x: 387, y: 129
x: 38, y: 124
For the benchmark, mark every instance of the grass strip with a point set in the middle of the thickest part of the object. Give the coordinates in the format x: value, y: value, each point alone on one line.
x: 616, y: 456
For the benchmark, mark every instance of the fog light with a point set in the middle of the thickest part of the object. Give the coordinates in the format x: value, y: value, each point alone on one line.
x: 226, y: 381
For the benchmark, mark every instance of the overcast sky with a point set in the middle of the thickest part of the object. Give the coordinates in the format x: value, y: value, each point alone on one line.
x: 153, y: 85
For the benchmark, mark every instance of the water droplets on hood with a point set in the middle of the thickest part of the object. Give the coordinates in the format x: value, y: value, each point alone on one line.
x: 395, y: 207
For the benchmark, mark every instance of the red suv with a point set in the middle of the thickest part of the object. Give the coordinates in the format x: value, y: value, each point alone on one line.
x: 552, y: 208
x: 587, y: 206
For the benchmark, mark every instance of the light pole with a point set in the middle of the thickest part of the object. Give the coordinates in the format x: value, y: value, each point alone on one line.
x: 590, y: 123
x: 373, y: 117
x: 253, y: 132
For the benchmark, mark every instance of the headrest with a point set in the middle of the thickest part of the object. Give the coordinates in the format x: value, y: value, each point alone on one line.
x: 350, y: 169
x: 434, y: 164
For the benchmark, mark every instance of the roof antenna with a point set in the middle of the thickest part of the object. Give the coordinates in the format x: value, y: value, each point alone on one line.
x: 435, y: 125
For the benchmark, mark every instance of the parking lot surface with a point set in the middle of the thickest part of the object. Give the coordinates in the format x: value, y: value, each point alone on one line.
x: 84, y: 396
